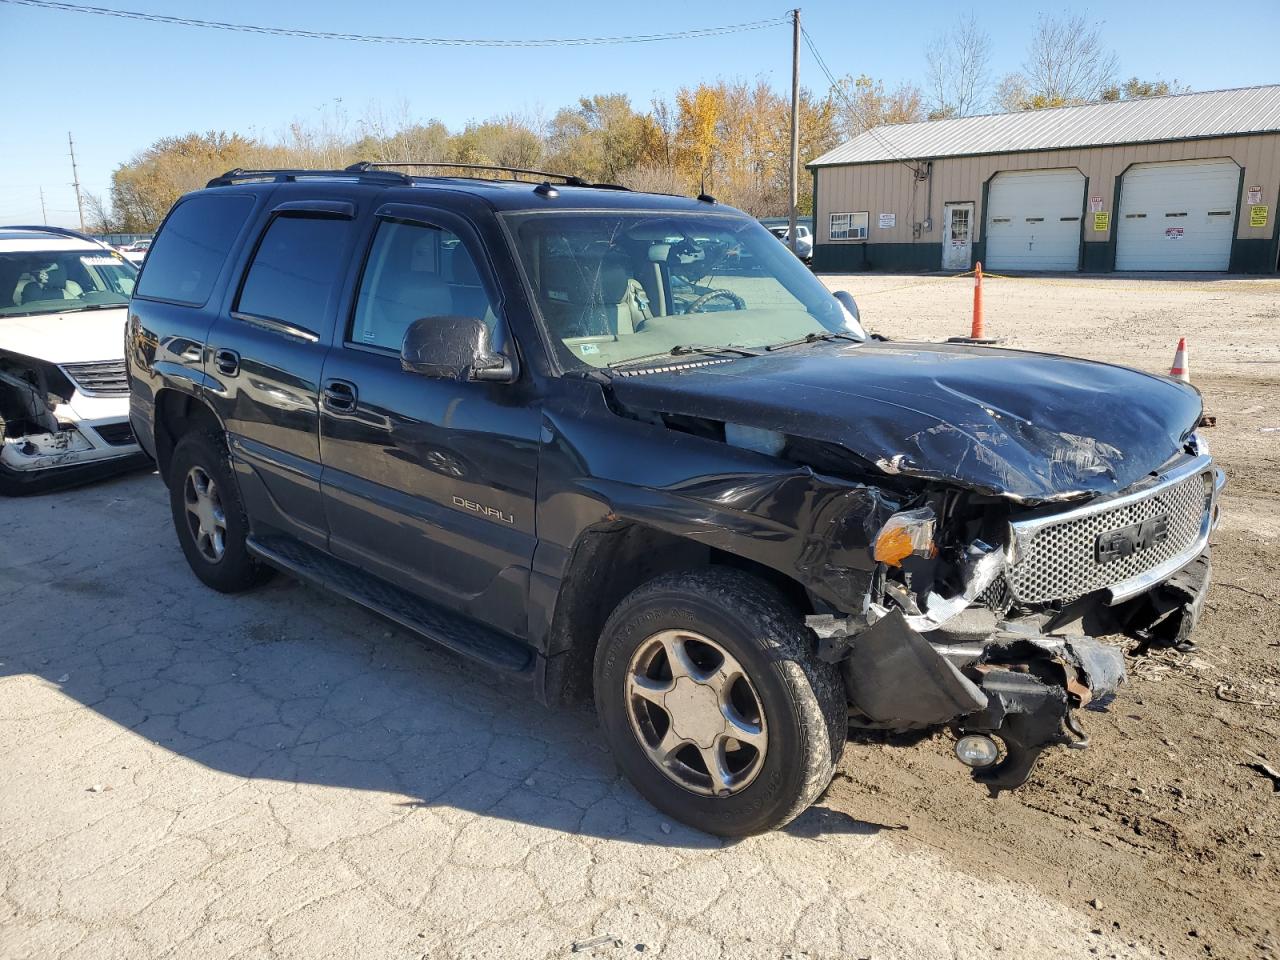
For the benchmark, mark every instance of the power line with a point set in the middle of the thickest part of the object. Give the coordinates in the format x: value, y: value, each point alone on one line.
x: 375, y: 38
x: 894, y: 153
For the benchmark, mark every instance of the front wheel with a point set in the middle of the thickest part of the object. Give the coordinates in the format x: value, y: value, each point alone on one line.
x: 715, y: 704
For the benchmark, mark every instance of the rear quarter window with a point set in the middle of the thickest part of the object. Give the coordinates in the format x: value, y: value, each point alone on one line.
x: 184, y: 261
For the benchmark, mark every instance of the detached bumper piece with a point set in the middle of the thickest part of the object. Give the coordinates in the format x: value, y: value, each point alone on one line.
x: 1018, y: 688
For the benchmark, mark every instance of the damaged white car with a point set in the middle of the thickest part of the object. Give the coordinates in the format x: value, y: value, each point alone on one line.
x: 64, y: 397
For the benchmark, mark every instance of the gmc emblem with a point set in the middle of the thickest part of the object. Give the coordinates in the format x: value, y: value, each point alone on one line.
x: 1125, y: 542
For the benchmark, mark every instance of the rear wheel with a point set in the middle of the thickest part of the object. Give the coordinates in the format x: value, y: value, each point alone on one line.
x: 715, y: 704
x: 209, y: 516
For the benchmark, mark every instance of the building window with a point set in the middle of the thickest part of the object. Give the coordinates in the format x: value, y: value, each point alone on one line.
x: 849, y: 226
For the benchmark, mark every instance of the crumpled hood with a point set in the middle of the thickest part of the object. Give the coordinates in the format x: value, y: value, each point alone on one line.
x: 66, y: 337
x: 1028, y: 426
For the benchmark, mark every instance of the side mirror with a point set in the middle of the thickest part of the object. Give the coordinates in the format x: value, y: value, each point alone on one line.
x: 453, y: 348
x: 847, y: 301
x: 853, y: 319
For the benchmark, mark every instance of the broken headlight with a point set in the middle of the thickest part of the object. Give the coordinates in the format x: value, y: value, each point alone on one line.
x: 906, y: 534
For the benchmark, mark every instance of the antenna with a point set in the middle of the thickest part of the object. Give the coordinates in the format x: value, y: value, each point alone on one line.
x: 44, y: 217
x: 75, y: 180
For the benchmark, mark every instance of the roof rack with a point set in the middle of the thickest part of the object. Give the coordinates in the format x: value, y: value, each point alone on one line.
x: 238, y: 175
x: 569, y: 179
x: 60, y: 232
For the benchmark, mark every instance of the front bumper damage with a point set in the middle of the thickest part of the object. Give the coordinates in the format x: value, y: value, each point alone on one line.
x: 1015, y: 675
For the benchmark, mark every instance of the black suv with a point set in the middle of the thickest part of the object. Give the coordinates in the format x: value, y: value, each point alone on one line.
x: 626, y: 445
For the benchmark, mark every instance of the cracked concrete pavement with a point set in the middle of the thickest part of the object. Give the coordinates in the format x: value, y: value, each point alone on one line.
x: 282, y: 774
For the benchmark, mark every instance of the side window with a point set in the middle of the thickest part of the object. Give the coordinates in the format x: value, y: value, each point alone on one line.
x: 183, y: 263
x: 295, y: 270
x: 415, y: 271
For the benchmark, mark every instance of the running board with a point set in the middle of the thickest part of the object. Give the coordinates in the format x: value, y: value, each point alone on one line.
x: 454, y: 631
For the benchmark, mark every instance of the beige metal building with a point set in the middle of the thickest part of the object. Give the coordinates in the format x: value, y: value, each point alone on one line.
x: 1183, y: 182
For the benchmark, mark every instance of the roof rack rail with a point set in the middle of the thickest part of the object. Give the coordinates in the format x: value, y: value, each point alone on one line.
x: 58, y: 231
x: 238, y: 175
x: 569, y: 179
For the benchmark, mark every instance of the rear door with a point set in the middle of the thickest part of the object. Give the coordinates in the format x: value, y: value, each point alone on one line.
x: 429, y: 483
x: 264, y: 355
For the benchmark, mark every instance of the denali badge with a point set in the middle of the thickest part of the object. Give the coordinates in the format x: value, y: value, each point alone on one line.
x: 1125, y: 542
x: 493, y: 513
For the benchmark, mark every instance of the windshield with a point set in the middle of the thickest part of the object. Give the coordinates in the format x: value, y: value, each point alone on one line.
x: 63, y: 281
x: 615, y: 287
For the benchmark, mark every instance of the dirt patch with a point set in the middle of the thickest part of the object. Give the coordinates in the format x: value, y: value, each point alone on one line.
x: 1166, y: 822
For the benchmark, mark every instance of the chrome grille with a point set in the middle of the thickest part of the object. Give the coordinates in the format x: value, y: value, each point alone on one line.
x: 1055, y: 559
x: 104, y: 378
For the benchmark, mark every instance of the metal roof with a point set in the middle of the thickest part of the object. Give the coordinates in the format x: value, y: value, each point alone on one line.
x: 1179, y: 116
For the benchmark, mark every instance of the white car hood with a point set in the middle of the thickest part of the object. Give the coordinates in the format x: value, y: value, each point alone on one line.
x: 66, y: 337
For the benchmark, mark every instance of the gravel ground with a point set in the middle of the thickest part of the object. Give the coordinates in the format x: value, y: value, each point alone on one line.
x: 282, y: 775
x: 1166, y: 820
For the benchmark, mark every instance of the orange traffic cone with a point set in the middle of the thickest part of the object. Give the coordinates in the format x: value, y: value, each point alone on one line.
x: 1180, y: 370
x: 977, y: 332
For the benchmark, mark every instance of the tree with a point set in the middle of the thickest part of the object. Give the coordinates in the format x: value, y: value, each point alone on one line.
x: 1066, y: 63
x: 865, y: 103
x: 697, y: 117
x: 601, y: 137
x: 958, y: 70
x: 97, y: 214
x: 1135, y: 89
x: 655, y: 178
x: 143, y: 190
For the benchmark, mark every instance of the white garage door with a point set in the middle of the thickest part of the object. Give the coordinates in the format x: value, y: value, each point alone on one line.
x: 1177, y: 216
x: 1033, y: 220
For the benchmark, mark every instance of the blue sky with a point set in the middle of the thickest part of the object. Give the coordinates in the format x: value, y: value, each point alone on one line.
x: 118, y: 85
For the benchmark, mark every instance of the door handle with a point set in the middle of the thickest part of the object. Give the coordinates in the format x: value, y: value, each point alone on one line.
x: 227, y: 361
x: 339, y: 395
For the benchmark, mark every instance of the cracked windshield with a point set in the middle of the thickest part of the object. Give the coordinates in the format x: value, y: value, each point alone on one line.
x: 617, y: 289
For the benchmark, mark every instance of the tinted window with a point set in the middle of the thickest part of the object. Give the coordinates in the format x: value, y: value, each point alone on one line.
x: 295, y: 269
x: 415, y: 271
x: 186, y: 257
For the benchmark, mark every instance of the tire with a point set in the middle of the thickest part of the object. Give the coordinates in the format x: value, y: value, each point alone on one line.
x: 799, y: 703
x: 234, y: 569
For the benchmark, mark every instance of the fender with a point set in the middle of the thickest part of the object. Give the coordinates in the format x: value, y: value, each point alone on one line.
x: 607, y: 470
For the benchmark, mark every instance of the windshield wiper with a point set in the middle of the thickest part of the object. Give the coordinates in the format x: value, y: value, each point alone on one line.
x: 96, y: 306
x: 813, y: 338
x: 681, y: 350
x: 80, y: 309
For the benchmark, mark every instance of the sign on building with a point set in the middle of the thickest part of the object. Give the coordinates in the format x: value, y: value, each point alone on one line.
x: 1102, y: 221
x: 1258, y: 215
x: 888, y: 221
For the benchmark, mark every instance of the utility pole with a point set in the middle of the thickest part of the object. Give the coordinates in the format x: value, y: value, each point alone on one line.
x: 75, y: 180
x: 795, y: 124
x: 44, y: 217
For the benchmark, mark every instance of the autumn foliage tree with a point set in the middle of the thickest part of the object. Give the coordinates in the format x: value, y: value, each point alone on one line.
x: 727, y: 138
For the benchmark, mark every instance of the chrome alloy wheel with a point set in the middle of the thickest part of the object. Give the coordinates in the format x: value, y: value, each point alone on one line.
x: 206, y: 519
x: 695, y: 713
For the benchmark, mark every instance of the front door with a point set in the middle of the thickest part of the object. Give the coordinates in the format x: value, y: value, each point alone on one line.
x: 957, y: 236
x: 429, y: 483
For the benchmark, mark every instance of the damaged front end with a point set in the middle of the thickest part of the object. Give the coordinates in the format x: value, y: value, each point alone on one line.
x: 981, y: 615
x: 62, y: 424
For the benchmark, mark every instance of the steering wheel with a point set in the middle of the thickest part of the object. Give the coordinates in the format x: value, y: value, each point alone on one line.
x: 697, y: 305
